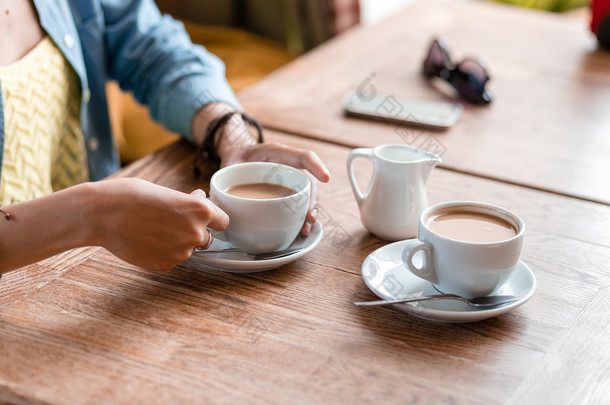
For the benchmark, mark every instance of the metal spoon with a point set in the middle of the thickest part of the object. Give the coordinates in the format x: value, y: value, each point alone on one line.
x: 489, y: 301
x: 260, y: 256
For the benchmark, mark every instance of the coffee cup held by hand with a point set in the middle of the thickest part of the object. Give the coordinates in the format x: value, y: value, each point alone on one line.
x: 266, y: 202
x: 468, y: 248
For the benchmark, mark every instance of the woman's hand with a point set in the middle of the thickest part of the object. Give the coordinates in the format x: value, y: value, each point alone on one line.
x: 142, y: 223
x: 152, y: 226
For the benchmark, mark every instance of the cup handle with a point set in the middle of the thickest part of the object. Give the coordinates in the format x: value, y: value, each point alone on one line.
x: 222, y: 235
x: 426, y: 271
x: 356, y: 153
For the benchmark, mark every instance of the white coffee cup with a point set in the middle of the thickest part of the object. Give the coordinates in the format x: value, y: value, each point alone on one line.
x: 261, y: 225
x: 467, y: 268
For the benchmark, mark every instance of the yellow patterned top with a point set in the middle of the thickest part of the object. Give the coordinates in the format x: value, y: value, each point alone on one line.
x: 43, y: 141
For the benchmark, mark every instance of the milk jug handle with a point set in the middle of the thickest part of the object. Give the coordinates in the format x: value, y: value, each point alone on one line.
x: 366, y: 153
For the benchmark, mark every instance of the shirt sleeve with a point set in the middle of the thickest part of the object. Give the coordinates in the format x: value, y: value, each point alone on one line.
x: 153, y: 56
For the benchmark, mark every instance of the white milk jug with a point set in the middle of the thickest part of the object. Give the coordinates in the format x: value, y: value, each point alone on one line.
x: 396, y: 195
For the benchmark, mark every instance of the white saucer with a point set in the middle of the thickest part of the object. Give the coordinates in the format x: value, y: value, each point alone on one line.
x: 384, y: 273
x: 238, y: 263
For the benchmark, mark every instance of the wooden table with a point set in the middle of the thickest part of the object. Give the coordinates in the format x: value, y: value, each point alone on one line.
x: 87, y: 328
x: 548, y: 126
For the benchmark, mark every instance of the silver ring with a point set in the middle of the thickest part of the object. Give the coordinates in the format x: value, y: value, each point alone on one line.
x: 210, y: 240
x: 208, y: 244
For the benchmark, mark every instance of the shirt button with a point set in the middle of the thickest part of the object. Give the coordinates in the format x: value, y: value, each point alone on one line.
x: 68, y: 41
x: 93, y: 144
x: 86, y: 95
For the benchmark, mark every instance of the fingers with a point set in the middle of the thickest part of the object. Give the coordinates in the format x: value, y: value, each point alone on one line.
x: 312, y: 211
x: 295, y: 157
x: 208, y: 243
x: 312, y: 217
x: 312, y: 163
x: 219, y: 220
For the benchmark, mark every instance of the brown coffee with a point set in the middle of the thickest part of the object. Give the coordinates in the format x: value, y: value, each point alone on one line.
x: 471, y: 227
x: 260, y: 191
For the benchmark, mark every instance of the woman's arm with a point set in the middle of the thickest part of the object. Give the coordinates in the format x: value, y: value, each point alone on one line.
x: 153, y: 56
x: 142, y: 223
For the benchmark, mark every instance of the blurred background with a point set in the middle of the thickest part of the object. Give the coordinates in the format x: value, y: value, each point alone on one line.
x: 255, y: 37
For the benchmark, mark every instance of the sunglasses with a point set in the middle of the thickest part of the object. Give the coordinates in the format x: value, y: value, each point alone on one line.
x: 468, y: 77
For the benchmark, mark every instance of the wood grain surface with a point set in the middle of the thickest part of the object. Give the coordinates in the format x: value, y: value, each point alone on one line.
x: 87, y: 328
x: 547, y: 127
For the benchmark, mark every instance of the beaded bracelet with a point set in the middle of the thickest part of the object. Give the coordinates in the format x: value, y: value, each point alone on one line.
x: 208, y: 148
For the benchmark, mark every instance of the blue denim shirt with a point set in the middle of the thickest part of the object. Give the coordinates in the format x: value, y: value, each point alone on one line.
x: 131, y: 42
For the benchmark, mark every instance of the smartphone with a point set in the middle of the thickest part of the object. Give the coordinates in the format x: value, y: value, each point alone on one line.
x: 395, y: 109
